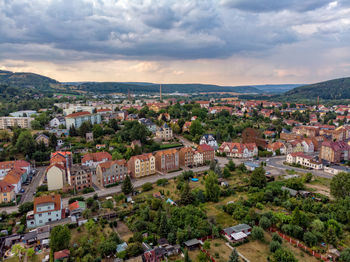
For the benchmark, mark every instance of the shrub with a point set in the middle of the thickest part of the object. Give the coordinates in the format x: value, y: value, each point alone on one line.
x: 162, y: 182
x: 264, y: 222
x: 276, y: 237
x: 258, y: 233
x: 274, y: 246
x: 147, y: 187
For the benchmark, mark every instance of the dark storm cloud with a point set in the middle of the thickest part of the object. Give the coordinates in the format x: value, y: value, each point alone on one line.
x: 153, y: 29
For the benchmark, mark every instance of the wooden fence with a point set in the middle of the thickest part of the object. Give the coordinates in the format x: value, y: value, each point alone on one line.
x: 300, y: 245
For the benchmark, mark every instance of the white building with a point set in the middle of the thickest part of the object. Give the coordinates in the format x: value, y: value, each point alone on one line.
x: 303, y: 160
x: 76, y: 119
x: 57, y: 121
x: 164, y: 133
x: 198, y: 158
x: 46, y: 209
x: 210, y: 140
x: 9, y: 121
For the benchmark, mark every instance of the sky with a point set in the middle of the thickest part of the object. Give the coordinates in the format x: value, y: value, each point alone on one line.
x: 225, y: 42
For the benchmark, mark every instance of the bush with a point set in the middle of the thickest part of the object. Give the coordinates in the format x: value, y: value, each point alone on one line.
x: 308, y: 177
x: 147, y: 187
x: 42, y: 188
x: 162, y: 182
x: 257, y: 233
x: 310, y: 239
x: 274, y: 246
x: 73, y: 199
x: 264, y: 222
x: 88, y: 190
x: 282, y: 255
x: 276, y: 237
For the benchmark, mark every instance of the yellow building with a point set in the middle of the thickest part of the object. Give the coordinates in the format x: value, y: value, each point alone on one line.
x: 7, y: 192
x: 142, y: 165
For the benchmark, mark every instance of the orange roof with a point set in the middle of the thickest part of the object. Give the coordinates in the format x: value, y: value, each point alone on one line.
x: 96, y: 157
x: 167, y: 152
x: 143, y: 157
x: 12, y: 164
x: 56, y: 199
x: 13, y: 177
x: 61, y: 254
x: 187, y: 149
x: 204, y: 148
x: 63, y: 153
x: 104, y: 110
x: 77, y: 114
x: 5, y: 187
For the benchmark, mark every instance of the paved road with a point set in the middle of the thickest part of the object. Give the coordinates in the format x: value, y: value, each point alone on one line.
x: 107, y: 191
x: 277, y: 162
x: 274, y: 166
x: 31, y: 188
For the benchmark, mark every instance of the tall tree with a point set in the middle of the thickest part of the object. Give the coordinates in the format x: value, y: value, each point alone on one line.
x: 59, y: 238
x: 25, y: 143
x: 186, y: 194
x: 163, y: 227
x: 212, y: 189
x: 127, y: 186
x: 258, y: 178
x: 340, y: 185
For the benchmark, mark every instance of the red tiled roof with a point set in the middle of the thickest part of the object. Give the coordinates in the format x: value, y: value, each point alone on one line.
x: 5, y: 187
x: 77, y: 114
x: 56, y: 199
x: 61, y: 254
x: 96, y: 157
x: 204, y: 148
x: 143, y: 157
x: 12, y: 164
x: 104, y: 110
x: 108, y: 164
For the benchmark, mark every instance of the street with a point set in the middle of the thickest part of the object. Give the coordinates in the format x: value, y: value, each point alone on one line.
x: 28, y: 195
x: 274, y: 166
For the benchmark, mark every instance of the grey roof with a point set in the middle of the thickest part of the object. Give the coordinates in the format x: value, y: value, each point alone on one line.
x: 236, y: 229
x: 292, y: 192
x: 30, y: 235
x: 341, y: 168
x: 44, y: 235
x: 192, y: 242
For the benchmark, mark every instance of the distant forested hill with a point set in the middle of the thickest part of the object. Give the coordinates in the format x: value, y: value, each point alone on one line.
x: 330, y: 90
x: 27, y: 80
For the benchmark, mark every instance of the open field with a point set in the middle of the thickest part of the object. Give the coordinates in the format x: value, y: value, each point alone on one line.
x: 124, y: 231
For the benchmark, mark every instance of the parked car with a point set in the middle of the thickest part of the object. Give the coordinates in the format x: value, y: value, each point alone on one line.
x: 22, y: 190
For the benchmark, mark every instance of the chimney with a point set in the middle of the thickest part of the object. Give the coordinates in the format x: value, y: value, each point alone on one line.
x: 160, y: 92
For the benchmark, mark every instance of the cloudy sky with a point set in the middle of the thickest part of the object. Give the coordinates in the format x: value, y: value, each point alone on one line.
x: 229, y: 42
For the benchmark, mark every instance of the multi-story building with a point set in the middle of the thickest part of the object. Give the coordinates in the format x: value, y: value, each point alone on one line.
x: 57, y: 121
x: 79, y: 178
x: 22, y: 122
x: 239, y: 150
x: 6, y: 166
x: 210, y: 140
x: 303, y: 160
x: 14, y: 177
x: 335, y: 152
x: 308, y: 131
x: 111, y: 172
x: 76, y: 119
x: 186, y: 156
x: 164, y: 132
x: 7, y: 192
x: 198, y: 158
x: 46, y: 209
x: 94, y: 159
x: 56, y: 176
x: 207, y: 152
x: 63, y: 158
x: 142, y: 165
x: 167, y: 160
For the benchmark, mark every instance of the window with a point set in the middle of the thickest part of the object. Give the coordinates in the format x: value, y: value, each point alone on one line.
x: 40, y: 215
x: 40, y: 221
x: 49, y: 213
